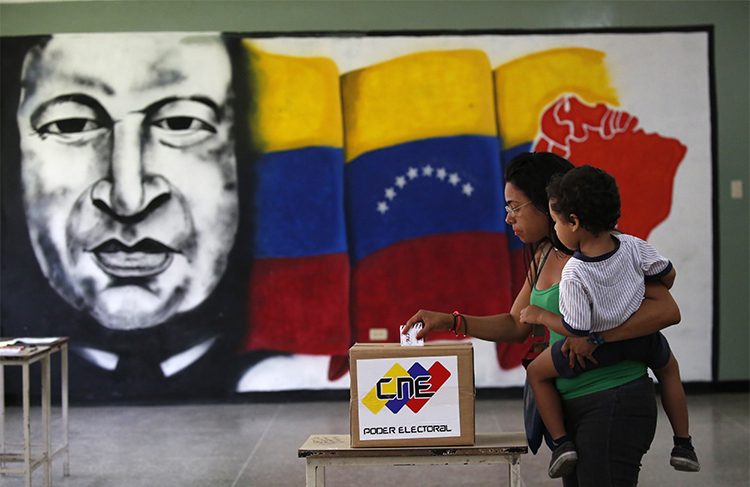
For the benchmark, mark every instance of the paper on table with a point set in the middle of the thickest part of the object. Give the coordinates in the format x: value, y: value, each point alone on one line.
x: 36, y: 340
x: 10, y: 350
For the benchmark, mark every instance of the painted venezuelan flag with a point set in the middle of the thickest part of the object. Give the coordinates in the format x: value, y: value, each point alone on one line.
x: 299, y: 285
x: 423, y: 199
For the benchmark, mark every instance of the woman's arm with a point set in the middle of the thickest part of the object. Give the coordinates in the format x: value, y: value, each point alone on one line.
x: 506, y: 327
x: 658, y: 311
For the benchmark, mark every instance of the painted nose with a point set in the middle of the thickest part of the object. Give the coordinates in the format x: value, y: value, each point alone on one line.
x: 129, y: 192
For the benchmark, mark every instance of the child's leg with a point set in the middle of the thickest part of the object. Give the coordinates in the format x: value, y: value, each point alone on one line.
x: 541, y: 375
x: 683, y: 456
x: 673, y: 397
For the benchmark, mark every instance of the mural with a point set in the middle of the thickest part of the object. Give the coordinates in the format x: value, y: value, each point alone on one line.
x: 207, y: 214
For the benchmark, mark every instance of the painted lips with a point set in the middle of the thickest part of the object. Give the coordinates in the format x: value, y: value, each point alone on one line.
x: 144, y: 259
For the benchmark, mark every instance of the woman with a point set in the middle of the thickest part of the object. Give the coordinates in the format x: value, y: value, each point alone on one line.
x: 610, y: 413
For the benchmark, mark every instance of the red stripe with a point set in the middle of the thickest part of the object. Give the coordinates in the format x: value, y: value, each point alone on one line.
x: 299, y: 305
x: 468, y: 271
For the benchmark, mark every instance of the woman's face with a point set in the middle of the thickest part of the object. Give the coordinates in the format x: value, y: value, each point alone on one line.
x: 529, y: 223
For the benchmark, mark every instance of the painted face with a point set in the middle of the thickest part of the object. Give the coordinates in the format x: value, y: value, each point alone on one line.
x: 529, y: 224
x: 129, y: 171
x: 564, y: 229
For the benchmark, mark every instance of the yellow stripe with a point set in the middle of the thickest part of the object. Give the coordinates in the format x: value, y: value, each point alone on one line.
x: 423, y: 95
x: 297, y: 101
x: 528, y: 85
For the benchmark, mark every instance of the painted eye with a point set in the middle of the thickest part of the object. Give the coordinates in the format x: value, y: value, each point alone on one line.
x: 70, y: 119
x: 68, y: 126
x: 183, y: 124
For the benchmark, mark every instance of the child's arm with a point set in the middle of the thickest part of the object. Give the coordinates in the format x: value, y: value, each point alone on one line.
x: 535, y: 315
x: 649, y: 258
x: 668, y: 280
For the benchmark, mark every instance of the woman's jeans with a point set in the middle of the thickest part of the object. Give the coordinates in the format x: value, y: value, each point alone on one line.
x: 612, y: 430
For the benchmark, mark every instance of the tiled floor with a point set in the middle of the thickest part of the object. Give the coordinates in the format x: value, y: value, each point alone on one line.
x: 256, y: 445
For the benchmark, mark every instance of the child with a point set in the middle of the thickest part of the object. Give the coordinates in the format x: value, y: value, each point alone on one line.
x: 601, y: 286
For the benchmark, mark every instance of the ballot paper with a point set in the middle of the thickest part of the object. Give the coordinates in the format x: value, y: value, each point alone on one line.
x: 410, y: 338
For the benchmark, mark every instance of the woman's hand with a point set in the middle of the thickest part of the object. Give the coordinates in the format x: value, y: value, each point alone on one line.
x: 578, y: 350
x: 432, y: 321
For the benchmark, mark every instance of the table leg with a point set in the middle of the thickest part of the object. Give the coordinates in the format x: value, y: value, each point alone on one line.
x: 310, y: 474
x: 46, y: 413
x: 64, y: 406
x: 514, y: 468
x: 320, y: 476
x: 316, y: 474
x: 2, y: 411
x: 26, y: 424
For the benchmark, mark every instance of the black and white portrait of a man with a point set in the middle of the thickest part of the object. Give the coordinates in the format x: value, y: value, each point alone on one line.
x: 129, y: 188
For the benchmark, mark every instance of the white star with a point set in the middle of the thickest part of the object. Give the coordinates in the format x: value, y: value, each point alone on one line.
x: 427, y: 170
x: 390, y: 193
x: 401, y: 182
x: 454, y: 179
x: 382, y: 207
x: 413, y: 173
x: 441, y: 173
x: 467, y: 189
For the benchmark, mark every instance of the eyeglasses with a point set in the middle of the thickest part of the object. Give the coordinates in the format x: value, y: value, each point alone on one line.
x: 512, y: 211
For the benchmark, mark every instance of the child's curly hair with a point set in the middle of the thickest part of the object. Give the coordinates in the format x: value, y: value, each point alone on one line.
x: 589, y: 193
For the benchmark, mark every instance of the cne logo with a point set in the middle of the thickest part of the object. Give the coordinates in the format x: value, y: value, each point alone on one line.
x: 412, y: 388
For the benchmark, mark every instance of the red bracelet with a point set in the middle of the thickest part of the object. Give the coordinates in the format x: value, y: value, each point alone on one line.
x: 456, y: 322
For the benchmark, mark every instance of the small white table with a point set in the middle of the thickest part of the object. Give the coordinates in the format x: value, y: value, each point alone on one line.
x: 323, y: 451
x: 40, y: 352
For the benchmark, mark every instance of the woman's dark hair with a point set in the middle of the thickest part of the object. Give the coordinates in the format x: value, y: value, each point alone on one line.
x: 590, y: 194
x: 531, y: 172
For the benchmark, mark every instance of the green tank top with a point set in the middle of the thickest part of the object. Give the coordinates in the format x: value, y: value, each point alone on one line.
x: 595, y: 380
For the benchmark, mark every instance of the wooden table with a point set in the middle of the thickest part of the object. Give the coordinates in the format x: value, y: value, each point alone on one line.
x: 41, y: 351
x: 323, y: 451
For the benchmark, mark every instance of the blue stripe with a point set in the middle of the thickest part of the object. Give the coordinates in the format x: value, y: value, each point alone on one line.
x: 299, y: 203
x: 436, y: 174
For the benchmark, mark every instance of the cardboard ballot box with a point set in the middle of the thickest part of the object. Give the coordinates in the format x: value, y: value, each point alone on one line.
x: 411, y: 396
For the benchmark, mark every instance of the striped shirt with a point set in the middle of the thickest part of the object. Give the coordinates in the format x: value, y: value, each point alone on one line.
x: 600, y: 293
